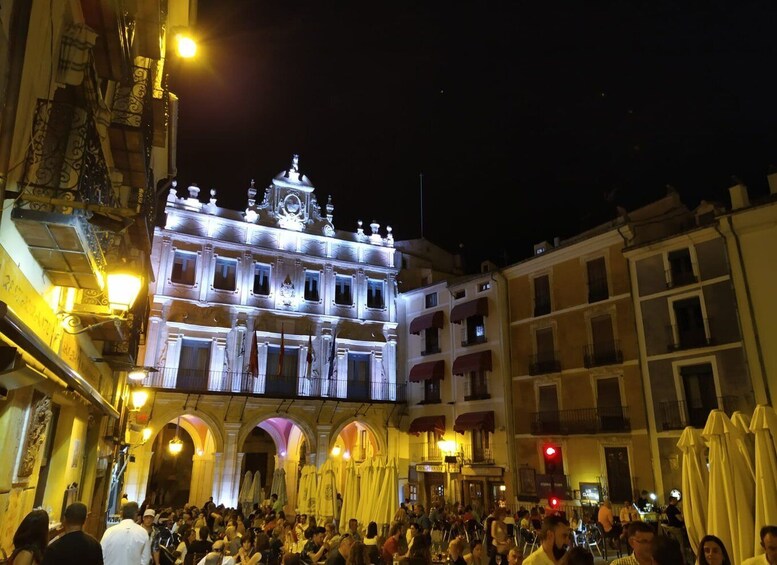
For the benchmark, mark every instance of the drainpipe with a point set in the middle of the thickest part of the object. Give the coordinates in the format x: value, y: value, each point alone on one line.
x: 650, y: 415
x: 19, y: 26
x: 507, y: 385
x: 751, y: 310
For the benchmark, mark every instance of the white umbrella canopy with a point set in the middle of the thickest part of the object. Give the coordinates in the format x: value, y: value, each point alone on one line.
x: 365, y: 471
x: 257, y: 494
x: 747, y: 443
x: 306, y: 497
x: 695, y: 484
x: 387, y: 499
x: 326, y: 493
x: 244, y: 498
x: 764, y: 427
x: 731, y: 500
x: 378, y: 471
x: 350, y: 495
x: 279, y: 485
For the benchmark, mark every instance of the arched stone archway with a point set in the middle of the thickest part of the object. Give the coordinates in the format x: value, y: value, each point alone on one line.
x: 375, y: 430
x: 304, y: 428
x: 170, y: 475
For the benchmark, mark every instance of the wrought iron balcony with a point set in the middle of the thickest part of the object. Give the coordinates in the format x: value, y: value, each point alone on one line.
x: 472, y: 454
x: 678, y: 414
x: 581, y: 421
x: 597, y: 355
x: 432, y: 452
x: 342, y: 389
x: 689, y: 338
x: 543, y: 363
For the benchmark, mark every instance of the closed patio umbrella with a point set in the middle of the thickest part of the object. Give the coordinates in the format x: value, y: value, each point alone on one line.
x: 365, y: 491
x: 350, y: 495
x: 306, y: 497
x: 387, y: 502
x: 695, y: 484
x: 378, y: 471
x: 244, y: 498
x: 257, y: 494
x: 730, y: 503
x: 764, y: 427
x: 279, y: 484
x: 326, y: 505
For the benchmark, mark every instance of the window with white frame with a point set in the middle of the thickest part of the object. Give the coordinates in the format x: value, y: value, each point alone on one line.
x: 431, y: 300
x: 681, y: 270
x: 343, y: 290
x: 184, y: 268
x: 375, y: 293
x: 261, y: 279
x: 225, y: 274
x: 312, y: 285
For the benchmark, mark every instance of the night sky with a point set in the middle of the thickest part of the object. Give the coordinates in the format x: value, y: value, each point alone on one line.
x: 527, y: 120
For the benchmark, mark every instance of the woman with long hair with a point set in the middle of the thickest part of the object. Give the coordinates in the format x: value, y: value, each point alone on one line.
x: 358, y: 554
x: 31, y: 539
x: 371, y: 544
x: 712, y: 551
x: 420, y: 554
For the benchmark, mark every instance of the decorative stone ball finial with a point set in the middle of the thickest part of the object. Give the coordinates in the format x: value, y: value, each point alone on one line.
x: 212, y: 196
x: 374, y: 226
x: 359, y: 228
x: 194, y: 191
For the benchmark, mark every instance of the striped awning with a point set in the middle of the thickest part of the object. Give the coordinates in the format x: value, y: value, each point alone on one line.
x: 427, y: 321
x: 477, y: 307
x: 426, y: 371
x: 472, y: 362
x: 483, y: 421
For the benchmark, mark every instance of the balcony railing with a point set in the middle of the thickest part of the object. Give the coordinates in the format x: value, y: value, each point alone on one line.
x: 473, y: 454
x: 596, y: 355
x: 678, y: 414
x: 474, y: 340
x: 680, y: 278
x: 691, y: 337
x: 344, y: 389
x: 581, y: 421
x: 432, y: 452
x: 543, y: 363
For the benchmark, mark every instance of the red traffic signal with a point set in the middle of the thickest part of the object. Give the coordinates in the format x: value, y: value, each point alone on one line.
x: 554, y: 462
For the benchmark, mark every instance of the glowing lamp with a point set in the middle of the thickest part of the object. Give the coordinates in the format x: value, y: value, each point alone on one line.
x: 447, y: 445
x: 123, y: 289
x: 550, y: 451
x: 336, y: 451
x: 187, y: 47
x: 653, y: 496
x: 347, y: 455
x: 139, y: 398
x: 554, y: 502
x: 502, y: 488
x: 146, y: 434
x: 175, y: 446
x: 283, y: 453
x: 137, y: 374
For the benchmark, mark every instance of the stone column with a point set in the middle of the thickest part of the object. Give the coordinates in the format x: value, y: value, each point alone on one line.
x: 202, y: 478
x: 291, y: 466
x: 238, y: 480
x: 323, y: 435
x: 217, y: 352
x: 136, y: 476
x: 228, y: 492
x: 218, y: 470
x: 205, y: 271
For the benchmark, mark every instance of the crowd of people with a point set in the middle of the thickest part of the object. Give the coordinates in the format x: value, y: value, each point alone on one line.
x: 214, y: 535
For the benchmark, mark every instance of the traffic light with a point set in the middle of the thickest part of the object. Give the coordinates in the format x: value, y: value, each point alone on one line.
x: 554, y: 464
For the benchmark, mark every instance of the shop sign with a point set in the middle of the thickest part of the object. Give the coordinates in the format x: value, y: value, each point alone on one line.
x: 427, y: 468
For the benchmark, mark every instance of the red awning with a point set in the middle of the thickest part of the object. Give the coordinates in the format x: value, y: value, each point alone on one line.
x: 426, y: 371
x: 430, y: 320
x: 483, y: 421
x: 472, y: 362
x: 427, y: 424
x: 478, y: 307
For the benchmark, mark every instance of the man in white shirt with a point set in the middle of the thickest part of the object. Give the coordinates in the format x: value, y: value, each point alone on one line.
x: 769, y: 543
x: 554, y: 539
x: 126, y: 543
x: 640, y: 536
x: 216, y: 556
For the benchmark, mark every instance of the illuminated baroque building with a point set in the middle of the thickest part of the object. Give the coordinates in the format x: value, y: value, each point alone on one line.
x: 454, y: 350
x: 274, y: 337
x: 87, y: 135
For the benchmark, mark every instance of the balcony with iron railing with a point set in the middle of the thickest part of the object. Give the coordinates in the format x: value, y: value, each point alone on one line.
x: 543, y: 363
x: 431, y: 452
x: 598, y: 354
x: 198, y: 381
x: 690, y: 338
x: 679, y: 414
x: 581, y: 421
x: 472, y: 454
